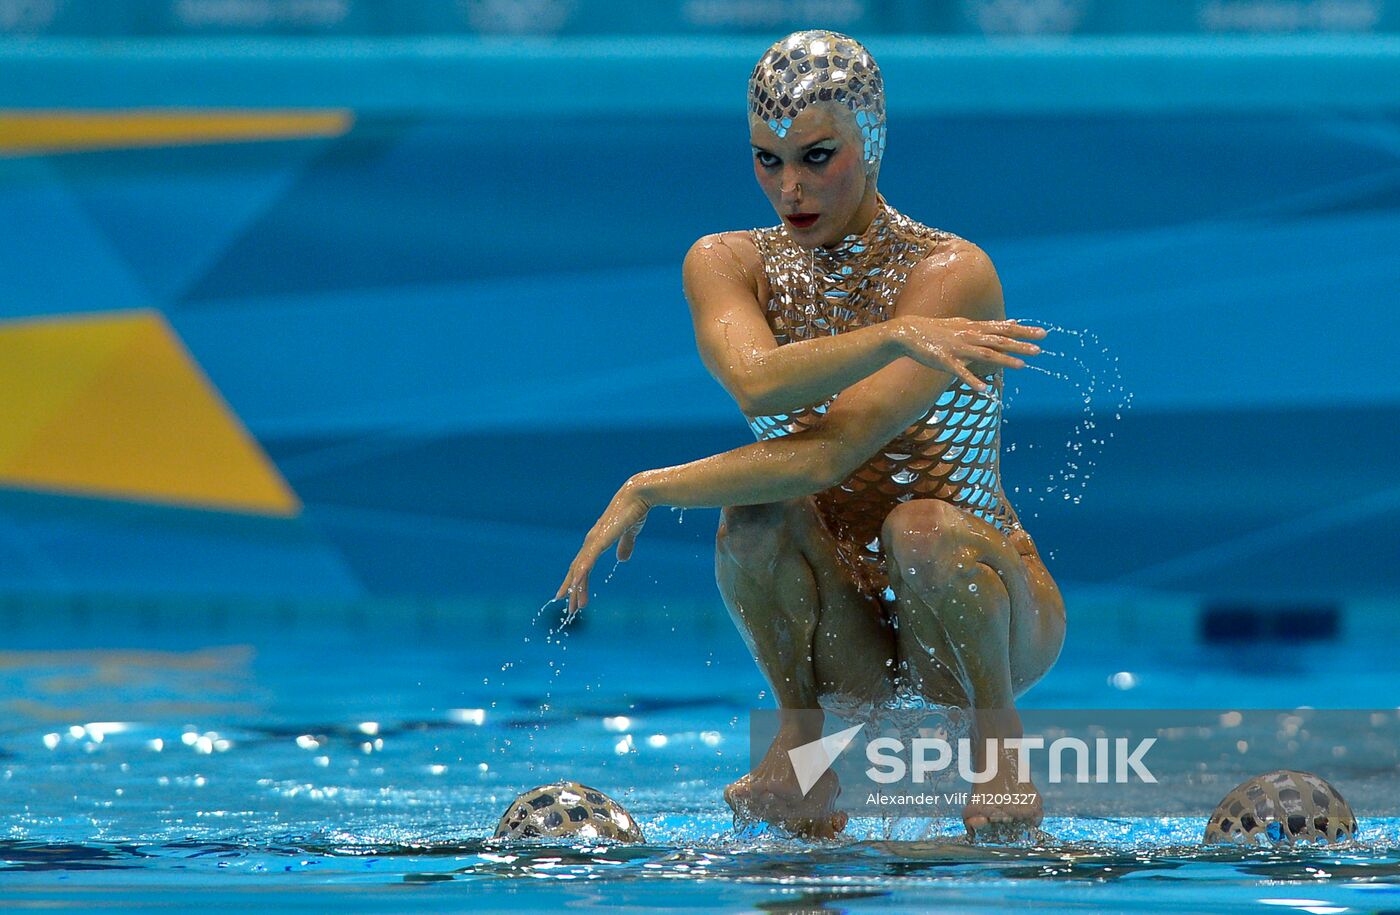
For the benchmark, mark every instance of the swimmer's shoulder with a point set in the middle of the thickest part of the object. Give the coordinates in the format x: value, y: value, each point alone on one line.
x: 729, y: 256
x: 734, y: 248
x: 961, y: 274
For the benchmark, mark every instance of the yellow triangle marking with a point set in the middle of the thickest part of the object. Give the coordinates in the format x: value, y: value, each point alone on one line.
x: 31, y: 388
x: 113, y: 405
x: 25, y: 133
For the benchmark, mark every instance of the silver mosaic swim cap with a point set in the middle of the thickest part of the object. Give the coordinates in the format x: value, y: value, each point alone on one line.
x: 820, y: 66
x: 1282, y: 807
x: 567, y: 810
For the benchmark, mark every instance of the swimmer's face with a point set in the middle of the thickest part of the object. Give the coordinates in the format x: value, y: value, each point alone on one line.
x: 815, y: 170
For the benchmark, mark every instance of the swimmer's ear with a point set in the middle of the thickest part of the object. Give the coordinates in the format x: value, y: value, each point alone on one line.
x: 628, y: 541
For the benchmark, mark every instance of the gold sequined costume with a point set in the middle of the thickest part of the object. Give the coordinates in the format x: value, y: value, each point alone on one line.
x: 950, y: 453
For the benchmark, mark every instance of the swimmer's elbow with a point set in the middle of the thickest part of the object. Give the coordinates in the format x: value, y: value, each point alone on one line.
x: 738, y: 389
x: 754, y: 389
x: 736, y: 382
x: 760, y: 388
x: 755, y: 400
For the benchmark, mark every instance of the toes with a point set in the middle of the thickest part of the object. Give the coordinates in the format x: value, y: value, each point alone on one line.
x: 738, y: 798
x: 1000, y: 829
x: 828, y: 827
x: 814, y: 829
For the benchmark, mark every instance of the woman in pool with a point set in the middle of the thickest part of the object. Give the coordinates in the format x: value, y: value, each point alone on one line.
x: 865, y: 542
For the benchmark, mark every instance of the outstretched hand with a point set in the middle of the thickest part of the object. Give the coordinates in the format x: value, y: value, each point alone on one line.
x: 957, y: 344
x: 620, y: 524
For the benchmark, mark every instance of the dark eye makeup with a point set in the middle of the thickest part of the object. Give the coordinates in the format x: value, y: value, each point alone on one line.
x: 818, y: 155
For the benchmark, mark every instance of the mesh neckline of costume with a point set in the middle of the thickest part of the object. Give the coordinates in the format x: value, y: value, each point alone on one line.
x: 858, y: 243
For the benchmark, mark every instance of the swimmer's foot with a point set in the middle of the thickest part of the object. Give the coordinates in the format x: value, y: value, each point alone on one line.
x: 754, y: 801
x: 771, y: 794
x: 1004, y: 810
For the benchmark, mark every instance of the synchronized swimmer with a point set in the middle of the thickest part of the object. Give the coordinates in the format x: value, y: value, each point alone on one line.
x: 866, y: 545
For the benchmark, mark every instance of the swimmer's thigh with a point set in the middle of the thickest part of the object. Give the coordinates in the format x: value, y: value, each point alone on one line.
x: 787, y: 553
x: 1038, y: 630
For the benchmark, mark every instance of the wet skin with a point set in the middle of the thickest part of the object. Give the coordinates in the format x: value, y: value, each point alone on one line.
x: 816, y: 168
x: 979, y: 619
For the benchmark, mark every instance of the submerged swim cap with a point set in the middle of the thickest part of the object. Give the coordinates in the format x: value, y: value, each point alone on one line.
x: 1282, y: 807
x: 820, y: 66
x: 567, y: 810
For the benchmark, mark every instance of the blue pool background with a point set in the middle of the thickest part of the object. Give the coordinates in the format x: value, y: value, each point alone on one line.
x: 396, y: 314
x: 457, y: 327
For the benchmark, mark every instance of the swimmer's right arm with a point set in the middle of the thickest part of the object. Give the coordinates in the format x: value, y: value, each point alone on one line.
x: 740, y: 351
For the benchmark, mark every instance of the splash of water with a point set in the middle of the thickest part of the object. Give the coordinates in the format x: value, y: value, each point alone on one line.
x: 1092, y: 371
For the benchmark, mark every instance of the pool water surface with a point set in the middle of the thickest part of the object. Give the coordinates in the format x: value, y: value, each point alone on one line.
x: 304, y: 761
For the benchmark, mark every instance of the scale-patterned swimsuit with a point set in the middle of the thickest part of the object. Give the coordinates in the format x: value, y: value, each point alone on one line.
x: 950, y: 453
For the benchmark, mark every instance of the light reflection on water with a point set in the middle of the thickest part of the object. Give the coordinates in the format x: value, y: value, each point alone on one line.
x: 391, y: 766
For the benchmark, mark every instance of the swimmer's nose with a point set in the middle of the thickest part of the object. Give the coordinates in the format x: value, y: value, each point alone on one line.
x: 790, y: 190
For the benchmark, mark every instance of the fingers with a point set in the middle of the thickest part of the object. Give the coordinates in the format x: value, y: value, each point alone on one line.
x: 1009, y: 344
x: 628, y: 541
x: 1013, y: 328
x: 607, y: 531
x: 965, y: 373
x: 576, y: 584
x: 563, y: 588
x: 983, y: 354
x: 578, y: 592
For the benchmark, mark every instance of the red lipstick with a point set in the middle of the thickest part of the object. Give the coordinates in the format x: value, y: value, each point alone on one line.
x: 802, y: 220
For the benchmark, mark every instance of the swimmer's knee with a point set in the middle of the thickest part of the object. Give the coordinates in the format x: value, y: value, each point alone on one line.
x: 930, y: 544
x: 753, y: 535
x: 921, y: 518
